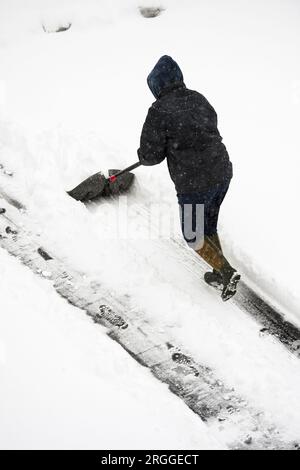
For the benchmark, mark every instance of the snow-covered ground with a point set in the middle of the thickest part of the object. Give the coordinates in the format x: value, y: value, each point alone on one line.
x: 73, y: 103
x: 64, y: 384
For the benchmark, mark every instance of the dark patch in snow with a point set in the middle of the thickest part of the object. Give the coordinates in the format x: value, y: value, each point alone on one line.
x: 9, y: 231
x: 57, y: 29
x: 108, y: 314
x: 150, y: 12
x: 11, y: 200
x: 269, y: 317
x: 5, y: 171
x: 44, y: 254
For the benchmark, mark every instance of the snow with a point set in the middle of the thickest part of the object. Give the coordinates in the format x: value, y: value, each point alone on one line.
x: 73, y: 103
x: 57, y: 392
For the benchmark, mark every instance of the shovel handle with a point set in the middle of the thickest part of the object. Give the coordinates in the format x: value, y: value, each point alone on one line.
x: 113, y: 178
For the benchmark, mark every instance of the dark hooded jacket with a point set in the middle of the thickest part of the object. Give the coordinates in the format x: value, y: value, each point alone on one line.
x: 181, y: 126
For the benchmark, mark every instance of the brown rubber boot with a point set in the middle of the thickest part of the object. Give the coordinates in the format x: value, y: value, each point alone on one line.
x: 215, y: 278
x: 230, y: 277
x: 213, y: 255
x: 216, y: 241
x: 230, y: 281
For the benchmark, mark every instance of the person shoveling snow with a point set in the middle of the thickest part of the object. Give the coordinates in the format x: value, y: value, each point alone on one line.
x: 181, y: 126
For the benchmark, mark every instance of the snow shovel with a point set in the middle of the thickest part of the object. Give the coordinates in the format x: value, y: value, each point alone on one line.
x: 98, y: 185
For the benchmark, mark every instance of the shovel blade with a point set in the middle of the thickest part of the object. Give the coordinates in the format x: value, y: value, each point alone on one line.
x: 120, y: 185
x: 90, y: 188
x: 97, y: 186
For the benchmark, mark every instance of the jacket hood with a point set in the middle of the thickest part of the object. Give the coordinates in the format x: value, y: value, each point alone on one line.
x: 165, y: 73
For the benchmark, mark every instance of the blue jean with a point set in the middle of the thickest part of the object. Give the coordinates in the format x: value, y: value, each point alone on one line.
x: 208, y: 203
